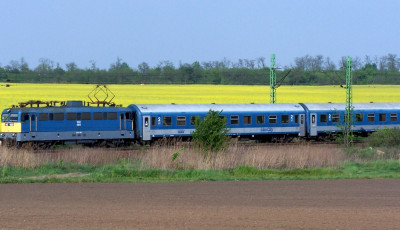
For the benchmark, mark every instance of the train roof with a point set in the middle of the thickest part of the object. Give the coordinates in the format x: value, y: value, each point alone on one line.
x: 63, y: 109
x: 152, y: 108
x: 357, y: 106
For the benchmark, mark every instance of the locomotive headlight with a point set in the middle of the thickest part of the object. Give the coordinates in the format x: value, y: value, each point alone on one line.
x: 2, y: 135
x: 14, y: 135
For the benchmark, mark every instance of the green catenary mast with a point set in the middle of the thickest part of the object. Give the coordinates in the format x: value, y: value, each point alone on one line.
x: 272, y: 80
x: 348, y: 135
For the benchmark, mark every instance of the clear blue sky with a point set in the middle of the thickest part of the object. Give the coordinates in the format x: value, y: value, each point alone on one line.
x: 187, y: 30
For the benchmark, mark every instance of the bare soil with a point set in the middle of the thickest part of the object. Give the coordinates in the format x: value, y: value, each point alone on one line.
x: 317, y: 204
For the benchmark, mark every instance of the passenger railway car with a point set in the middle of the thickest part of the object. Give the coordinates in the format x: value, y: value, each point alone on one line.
x: 324, y: 118
x: 69, y: 124
x: 259, y: 121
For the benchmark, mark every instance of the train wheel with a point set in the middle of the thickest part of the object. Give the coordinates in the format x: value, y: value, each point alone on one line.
x: 289, y: 139
x: 45, y: 145
x: 27, y: 146
x: 146, y: 143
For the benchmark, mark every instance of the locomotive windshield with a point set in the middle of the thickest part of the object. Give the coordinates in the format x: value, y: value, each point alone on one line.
x: 4, y: 117
x: 9, y: 117
x: 14, y: 117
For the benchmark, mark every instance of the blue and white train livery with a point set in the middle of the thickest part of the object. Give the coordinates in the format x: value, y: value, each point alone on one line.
x: 75, y: 123
x: 69, y: 124
x: 324, y: 118
x: 245, y: 120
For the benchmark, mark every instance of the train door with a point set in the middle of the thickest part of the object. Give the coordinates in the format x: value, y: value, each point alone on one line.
x: 313, y: 124
x: 146, y: 128
x: 302, y: 131
x: 33, y: 125
x: 132, y: 120
x: 122, y: 122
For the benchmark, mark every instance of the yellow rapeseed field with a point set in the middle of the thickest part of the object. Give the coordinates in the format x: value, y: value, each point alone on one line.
x: 196, y: 94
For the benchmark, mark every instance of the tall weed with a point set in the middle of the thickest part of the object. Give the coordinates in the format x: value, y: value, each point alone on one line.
x: 182, y: 156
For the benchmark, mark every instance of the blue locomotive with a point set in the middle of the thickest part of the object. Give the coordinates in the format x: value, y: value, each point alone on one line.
x: 74, y: 123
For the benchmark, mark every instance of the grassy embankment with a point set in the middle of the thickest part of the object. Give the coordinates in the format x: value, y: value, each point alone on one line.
x: 182, y: 163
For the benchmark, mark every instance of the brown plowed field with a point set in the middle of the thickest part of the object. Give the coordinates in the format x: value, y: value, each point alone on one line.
x: 318, y: 204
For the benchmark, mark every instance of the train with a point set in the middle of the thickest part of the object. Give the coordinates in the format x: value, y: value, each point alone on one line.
x: 76, y: 123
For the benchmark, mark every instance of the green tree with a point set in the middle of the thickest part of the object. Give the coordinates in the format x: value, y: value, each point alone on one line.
x: 387, y: 137
x: 44, y: 70
x: 71, y: 67
x: 211, y: 133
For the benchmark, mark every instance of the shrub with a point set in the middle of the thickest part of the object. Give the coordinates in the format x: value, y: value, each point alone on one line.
x: 384, y: 137
x: 211, y: 133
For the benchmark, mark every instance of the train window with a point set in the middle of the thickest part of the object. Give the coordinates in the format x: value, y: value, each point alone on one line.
x: 284, y: 119
x: 260, y: 119
x: 51, y: 116
x: 359, y: 117
x: 296, y: 119
x: 14, y: 117
x: 234, y: 120
x: 112, y: 116
x: 71, y: 116
x: 33, y: 117
x: 98, y: 116
x: 85, y: 116
x: 382, y: 117
x: 181, y: 120
x: 393, y: 117
x: 43, y: 116
x: 78, y: 116
x: 371, y: 117
x: 247, y: 120
x: 104, y: 116
x: 167, y: 121
x: 25, y: 117
x: 59, y: 116
x: 153, y: 121
x: 193, y: 119
x: 323, y: 118
x: 272, y: 119
x: 335, y: 118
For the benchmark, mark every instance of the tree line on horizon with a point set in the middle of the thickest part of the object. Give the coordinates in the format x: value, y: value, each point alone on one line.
x: 306, y: 70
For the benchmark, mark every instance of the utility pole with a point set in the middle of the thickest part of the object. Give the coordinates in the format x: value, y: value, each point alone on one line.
x: 348, y: 135
x: 272, y: 80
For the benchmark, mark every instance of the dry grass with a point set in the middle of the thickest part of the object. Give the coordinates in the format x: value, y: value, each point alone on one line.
x: 18, y: 158
x: 29, y: 158
x: 183, y: 156
x: 261, y: 157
